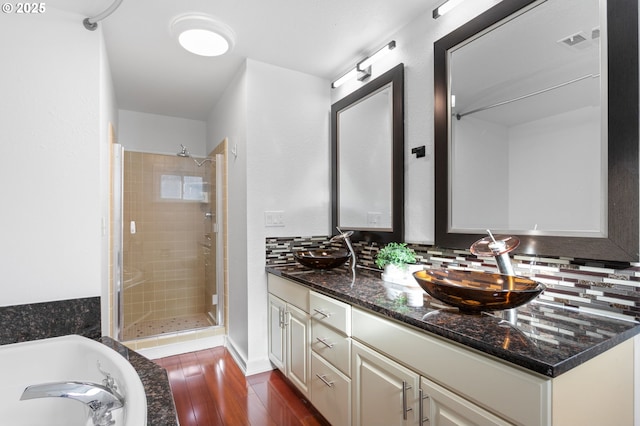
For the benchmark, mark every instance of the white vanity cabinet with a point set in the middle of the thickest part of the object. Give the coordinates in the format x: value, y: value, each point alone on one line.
x: 290, y: 331
x: 384, y: 392
x: 461, y: 386
x: 474, y: 381
x: 362, y: 368
x: 331, y: 358
x: 441, y: 407
x: 387, y: 393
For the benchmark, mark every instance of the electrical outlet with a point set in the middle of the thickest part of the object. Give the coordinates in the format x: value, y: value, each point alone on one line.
x: 374, y: 218
x: 274, y: 218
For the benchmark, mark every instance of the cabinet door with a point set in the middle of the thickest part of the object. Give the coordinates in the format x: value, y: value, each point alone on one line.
x: 298, y: 325
x: 383, y: 392
x: 277, y: 338
x: 441, y: 407
x: 330, y: 392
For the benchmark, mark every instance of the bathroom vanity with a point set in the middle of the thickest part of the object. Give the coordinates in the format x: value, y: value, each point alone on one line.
x: 362, y: 359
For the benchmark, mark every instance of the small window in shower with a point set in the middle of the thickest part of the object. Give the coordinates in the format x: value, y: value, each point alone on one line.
x: 192, y: 188
x: 177, y: 187
x: 170, y: 187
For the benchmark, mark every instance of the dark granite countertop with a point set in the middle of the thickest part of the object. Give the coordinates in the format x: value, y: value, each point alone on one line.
x: 161, y: 410
x: 546, y: 339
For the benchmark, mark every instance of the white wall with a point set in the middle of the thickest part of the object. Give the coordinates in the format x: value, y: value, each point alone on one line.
x: 415, y: 49
x: 160, y: 134
x: 287, y: 159
x: 284, y: 156
x: 229, y: 119
x: 50, y: 167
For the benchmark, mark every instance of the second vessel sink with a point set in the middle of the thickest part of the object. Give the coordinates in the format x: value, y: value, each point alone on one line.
x: 322, y: 258
x: 476, y: 291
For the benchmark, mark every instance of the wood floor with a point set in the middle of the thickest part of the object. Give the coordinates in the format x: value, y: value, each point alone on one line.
x: 209, y: 389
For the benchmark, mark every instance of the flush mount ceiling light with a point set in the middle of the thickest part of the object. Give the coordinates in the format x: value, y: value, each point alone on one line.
x: 202, y: 34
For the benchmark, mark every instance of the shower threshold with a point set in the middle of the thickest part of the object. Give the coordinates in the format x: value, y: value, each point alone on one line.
x: 149, y: 328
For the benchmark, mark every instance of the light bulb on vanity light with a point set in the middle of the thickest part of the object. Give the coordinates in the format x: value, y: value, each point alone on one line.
x: 348, y: 76
x: 367, y: 62
x: 362, y: 70
x: 445, y: 7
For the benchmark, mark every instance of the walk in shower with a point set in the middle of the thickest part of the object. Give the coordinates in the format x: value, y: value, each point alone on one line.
x: 171, y: 252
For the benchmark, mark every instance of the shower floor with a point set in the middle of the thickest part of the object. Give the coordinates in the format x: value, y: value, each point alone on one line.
x: 163, y: 326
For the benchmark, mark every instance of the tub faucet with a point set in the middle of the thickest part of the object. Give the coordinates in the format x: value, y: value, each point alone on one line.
x: 100, y: 399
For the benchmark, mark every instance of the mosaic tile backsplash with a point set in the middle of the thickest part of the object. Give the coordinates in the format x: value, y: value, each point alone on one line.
x: 592, y: 287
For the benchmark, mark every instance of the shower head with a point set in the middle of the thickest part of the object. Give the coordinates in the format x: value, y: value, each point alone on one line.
x: 184, y: 152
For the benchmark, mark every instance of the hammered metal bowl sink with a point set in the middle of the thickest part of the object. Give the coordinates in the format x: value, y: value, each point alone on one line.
x: 475, y: 291
x: 322, y: 258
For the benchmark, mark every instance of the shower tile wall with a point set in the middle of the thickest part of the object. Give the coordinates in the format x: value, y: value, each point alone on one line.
x: 163, y: 260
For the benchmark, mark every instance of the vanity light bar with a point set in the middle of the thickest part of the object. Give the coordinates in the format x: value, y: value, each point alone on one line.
x: 445, y: 7
x: 361, y: 69
x: 348, y: 76
x: 367, y: 62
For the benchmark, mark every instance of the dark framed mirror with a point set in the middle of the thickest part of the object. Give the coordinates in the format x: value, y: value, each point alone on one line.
x: 614, y: 236
x: 367, y: 157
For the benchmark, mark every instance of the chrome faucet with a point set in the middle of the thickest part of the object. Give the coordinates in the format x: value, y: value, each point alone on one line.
x: 100, y: 399
x: 498, y: 248
x: 347, y: 240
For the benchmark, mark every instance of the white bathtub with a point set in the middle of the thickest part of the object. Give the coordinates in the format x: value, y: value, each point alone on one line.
x: 67, y: 358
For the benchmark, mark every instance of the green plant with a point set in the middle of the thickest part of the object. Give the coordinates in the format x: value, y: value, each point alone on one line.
x: 397, y: 254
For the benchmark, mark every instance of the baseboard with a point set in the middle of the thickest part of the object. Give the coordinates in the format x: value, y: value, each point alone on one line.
x: 235, y: 354
x: 248, y: 368
x: 258, y: 366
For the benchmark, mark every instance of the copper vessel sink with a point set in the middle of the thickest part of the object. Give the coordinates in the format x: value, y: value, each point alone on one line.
x: 476, y: 291
x: 322, y: 258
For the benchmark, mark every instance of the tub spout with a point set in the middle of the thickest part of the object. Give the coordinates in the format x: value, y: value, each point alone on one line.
x: 100, y: 399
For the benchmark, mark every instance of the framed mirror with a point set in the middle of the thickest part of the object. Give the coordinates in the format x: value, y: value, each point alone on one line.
x: 536, y: 128
x: 367, y: 154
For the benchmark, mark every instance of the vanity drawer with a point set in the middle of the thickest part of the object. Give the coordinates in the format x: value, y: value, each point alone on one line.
x: 290, y: 292
x: 330, y: 392
x: 330, y: 312
x: 332, y: 346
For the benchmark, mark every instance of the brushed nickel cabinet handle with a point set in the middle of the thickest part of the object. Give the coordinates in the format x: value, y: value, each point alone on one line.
x: 324, y: 342
x: 324, y: 380
x: 422, y: 398
x: 322, y: 312
x: 405, y: 408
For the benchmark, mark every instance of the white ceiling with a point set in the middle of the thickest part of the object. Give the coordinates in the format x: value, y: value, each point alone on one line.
x: 153, y: 74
